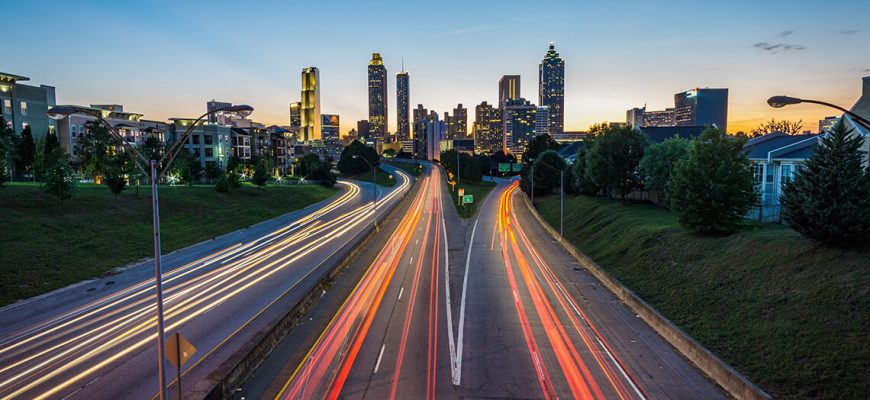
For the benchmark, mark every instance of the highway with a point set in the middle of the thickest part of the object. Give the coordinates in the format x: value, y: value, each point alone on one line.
x: 511, y: 316
x: 97, y: 340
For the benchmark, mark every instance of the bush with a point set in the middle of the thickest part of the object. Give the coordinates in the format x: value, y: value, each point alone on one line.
x: 829, y: 199
x: 260, y: 176
x: 227, y: 182
x: 712, y: 189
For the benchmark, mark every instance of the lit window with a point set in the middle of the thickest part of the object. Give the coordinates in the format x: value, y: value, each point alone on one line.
x: 7, y: 106
x: 24, y: 125
x: 23, y: 108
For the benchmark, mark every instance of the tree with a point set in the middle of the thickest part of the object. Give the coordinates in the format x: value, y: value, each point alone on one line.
x: 546, y: 178
x: 787, y: 127
x: 212, y: 172
x: 580, y: 180
x: 116, y: 181
x: 713, y: 189
x: 96, y: 147
x: 536, y: 146
x: 658, y: 161
x: 60, y: 181
x: 829, y: 199
x: 261, y: 175
x: 186, y: 167
x: 7, y: 141
x: 51, y: 142
x: 26, y: 150
x: 469, y: 168
x: 612, y: 162
x: 323, y: 173
x: 348, y: 165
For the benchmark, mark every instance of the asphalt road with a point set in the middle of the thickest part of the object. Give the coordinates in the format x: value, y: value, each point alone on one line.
x: 489, y: 308
x: 96, y: 340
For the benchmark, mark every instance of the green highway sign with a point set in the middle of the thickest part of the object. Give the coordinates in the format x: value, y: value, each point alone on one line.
x: 518, y: 167
x: 504, y: 167
x: 468, y: 199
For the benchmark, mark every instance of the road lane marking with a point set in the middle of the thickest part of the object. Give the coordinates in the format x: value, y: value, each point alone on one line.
x: 457, y: 377
x: 411, y: 261
x: 402, y: 290
x: 378, y: 364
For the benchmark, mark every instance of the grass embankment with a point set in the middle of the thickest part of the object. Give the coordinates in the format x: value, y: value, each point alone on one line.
x: 407, y: 167
x: 44, y: 250
x: 790, y: 314
x: 478, y: 190
x: 382, y: 178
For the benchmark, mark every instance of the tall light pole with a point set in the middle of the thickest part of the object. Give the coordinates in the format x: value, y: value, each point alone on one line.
x: 374, y: 190
x: 561, y: 192
x: 782, y: 101
x: 61, y: 112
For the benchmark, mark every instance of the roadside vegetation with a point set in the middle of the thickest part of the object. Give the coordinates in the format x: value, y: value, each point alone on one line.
x: 470, y: 177
x: 44, y: 249
x: 412, y: 168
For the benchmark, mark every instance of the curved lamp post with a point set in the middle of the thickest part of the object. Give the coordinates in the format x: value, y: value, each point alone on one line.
x: 374, y: 190
x: 61, y: 112
x: 782, y: 101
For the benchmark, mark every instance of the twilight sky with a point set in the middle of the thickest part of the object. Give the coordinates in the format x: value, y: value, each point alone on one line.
x: 167, y: 58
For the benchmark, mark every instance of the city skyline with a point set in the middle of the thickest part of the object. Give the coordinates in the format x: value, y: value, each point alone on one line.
x: 647, y: 57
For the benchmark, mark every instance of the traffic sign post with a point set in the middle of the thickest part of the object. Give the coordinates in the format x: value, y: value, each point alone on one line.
x: 178, y: 351
x: 518, y: 167
x: 504, y: 167
x: 468, y: 199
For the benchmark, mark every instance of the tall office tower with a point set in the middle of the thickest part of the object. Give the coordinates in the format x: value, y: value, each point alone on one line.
x: 403, y: 106
x: 296, y: 114
x: 378, y: 98
x: 659, y: 118
x: 702, y: 107
x: 459, y: 123
x: 482, y: 127
x: 448, y: 126
x: 508, y: 89
x: 362, y: 129
x: 331, y: 129
x: 420, y: 114
x: 634, y: 117
x: 551, y: 89
x: 519, y: 120
x: 310, y: 115
x: 434, y: 134
x: 542, y: 121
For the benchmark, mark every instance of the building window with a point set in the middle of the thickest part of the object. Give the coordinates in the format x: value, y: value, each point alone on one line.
x: 208, y: 139
x: 787, y: 173
x: 24, y: 125
x: 72, y: 130
x: 196, y: 153
x: 195, y: 139
x: 7, y: 106
x: 208, y: 151
x: 23, y: 108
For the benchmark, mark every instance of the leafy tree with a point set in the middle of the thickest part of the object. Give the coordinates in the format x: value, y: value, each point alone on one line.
x: 186, y: 167
x: 26, y: 150
x: 784, y: 126
x: 308, y: 164
x: 222, y: 185
x: 546, y: 178
x: 713, y: 189
x: 829, y: 199
x: 612, y: 162
x: 658, y: 161
x: 235, y: 164
x: 96, y: 147
x: 116, y: 181
x: 212, y: 172
x: 536, y: 146
x: 349, y: 165
x: 580, y: 180
x: 469, y: 167
x: 7, y: 144
x: 60, y: 181
x: 261, y: 175
x: 323, y: 173
x: 51, y: 142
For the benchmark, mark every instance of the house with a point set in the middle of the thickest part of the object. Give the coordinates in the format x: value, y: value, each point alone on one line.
x: 775, y: 159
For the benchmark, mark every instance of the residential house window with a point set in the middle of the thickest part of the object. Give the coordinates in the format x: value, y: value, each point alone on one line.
x: 23, y: 108
x: 7, y: 106
x: 787, y: 173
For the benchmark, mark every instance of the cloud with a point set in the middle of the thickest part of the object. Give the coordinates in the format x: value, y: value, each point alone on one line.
x: 785, y: 33
x: 849, y: 31
x: 470, y: 29
x: 774, y: 48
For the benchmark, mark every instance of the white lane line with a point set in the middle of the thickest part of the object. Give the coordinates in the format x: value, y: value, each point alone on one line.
x: 417, y: 241
x: 402, y: 290
x: 378, y: 364
x: 450, y: 341
x: 457, y: 378
x: 411, y: 261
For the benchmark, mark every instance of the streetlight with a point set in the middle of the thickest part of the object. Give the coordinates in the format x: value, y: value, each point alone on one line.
x: 782, y: 101
x: 561, y: 191
x: 61, y: 112
x: 374, y: 190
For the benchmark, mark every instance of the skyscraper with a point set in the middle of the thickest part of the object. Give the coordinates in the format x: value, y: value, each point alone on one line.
x: 459, y: 123
x: 310, y: 107
x: 542, y: 121
x: 296, y: 114
x: 487, y: 128
x: 519, y: 124
x: 634, y: 117
x: 403, y: 106
x: 377, y: 98
x: 362, y: 129
x: 551, y: 89
x: 702, y: 107
x: 508, y: 89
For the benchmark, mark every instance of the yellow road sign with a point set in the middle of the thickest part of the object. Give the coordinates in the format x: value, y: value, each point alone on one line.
x: 449, y: 175
x: 179, y: 350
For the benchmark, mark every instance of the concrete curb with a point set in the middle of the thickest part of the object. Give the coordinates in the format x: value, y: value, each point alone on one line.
x: 233, y: 372
x: 723, y: 374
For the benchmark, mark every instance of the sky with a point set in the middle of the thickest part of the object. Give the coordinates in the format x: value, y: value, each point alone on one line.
x: 168, y: 58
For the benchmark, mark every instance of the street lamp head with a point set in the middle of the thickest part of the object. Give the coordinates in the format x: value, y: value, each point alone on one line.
x: 355, y: 156
x: 61, y: 112
x: 782, y: 101
x: 242, y: 110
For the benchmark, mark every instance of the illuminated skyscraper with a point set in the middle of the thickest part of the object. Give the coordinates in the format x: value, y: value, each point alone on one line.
x: 378, y: 98
x: 487, y: 128
x: 296, y: 114
x: 551, y: 89
x: 702, y: 107
x: 459, y: 123
x: 519, y: 124
x: 403, y: 106
x: 508, y: 89
x: 310, y: 114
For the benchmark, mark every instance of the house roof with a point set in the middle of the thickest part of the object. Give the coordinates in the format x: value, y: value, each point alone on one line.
x: 658, y: 134
x: 778, y: 145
